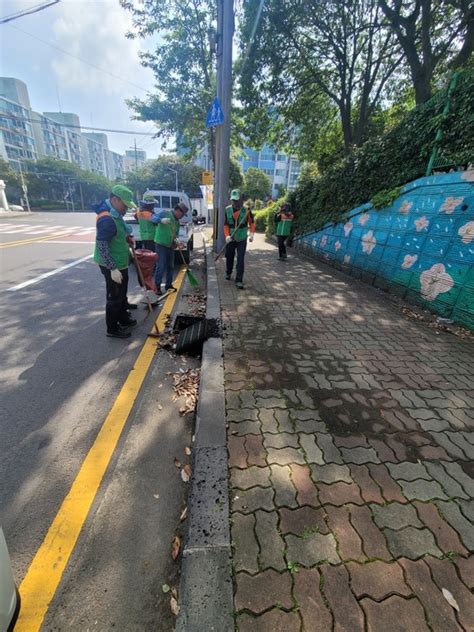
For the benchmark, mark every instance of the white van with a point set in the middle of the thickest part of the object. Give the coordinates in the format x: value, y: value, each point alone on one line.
x: 166, y: 201
x: 9, y: 597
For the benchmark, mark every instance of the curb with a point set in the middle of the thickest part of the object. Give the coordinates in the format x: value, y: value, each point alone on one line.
x: 206, y: 590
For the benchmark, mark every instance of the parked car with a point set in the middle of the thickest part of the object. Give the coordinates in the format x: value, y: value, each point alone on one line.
x: 166, y: 201
x: 9, y: 596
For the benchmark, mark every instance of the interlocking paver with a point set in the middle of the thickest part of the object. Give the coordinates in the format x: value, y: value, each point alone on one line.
x: 396, y: 516
x: 311, y: 549
x: 313, y: 610
x: 395, y: 614
x: 271, y: 543
x: 412, y: 543
x: 260, y: 592
x: 244, y: 542
x: 346, y: 610
x: 377, y: 580
x: 364, y: 418
x: 285, y: 492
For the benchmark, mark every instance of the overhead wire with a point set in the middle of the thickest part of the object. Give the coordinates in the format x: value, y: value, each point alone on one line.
x: 34, y: 9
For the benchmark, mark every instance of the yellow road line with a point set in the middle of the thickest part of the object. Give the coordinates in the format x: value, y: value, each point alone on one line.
x: 44, y: 574
x: 22, y: 242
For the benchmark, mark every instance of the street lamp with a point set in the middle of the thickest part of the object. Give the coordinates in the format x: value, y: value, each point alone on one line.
x: 176, y: 176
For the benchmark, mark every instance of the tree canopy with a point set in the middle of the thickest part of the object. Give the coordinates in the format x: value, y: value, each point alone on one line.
x: 257, y: 185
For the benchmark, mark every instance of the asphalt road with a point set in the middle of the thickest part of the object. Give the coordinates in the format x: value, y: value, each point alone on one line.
x: 60, y: 376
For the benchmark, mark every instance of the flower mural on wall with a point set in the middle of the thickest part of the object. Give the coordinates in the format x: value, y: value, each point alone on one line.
x: 347, y: 258
x: 348, y: 226
x: 405, y: 207
x: 450, y: 204
x: 364, y: 218
x: 466, y: 233
x: 409, y: 261
x: 368, y: 242
x: 468, y: 175
x: 421, y: 223
x: 435, y: 281
x: 324, y: 240
x: 337, y: 245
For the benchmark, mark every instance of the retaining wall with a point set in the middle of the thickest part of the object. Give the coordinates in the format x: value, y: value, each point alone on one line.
x: 420, y: 248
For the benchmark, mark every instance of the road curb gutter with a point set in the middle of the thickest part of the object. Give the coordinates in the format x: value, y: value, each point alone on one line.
x: 206, y: 590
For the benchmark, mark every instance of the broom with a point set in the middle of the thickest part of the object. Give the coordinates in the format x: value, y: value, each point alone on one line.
x: 193, y: 282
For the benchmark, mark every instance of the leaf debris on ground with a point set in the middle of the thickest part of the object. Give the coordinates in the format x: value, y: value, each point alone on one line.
x: 184, y: 514
x: 175, y: 547
x: 450, y: 599
x: 186, y: 473
x: 186, y: 384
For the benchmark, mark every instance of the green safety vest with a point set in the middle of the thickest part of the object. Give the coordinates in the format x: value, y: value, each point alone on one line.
x: 118, y: 246
x: 240, y: 233
x: 147, y: 227
x: 284, y: 226
x: 165, y: 234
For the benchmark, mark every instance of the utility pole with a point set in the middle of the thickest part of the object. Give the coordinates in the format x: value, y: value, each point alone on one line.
x: 225, y: 26
x: 136, y: 155
x: 25, y: 188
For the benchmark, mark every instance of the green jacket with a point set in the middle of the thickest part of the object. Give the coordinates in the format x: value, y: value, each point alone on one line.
x: 118, y: 246
x: 231, y: 223
x: 165, y: 234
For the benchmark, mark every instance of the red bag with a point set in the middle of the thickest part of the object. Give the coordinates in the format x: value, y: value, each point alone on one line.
x: 147, y: 260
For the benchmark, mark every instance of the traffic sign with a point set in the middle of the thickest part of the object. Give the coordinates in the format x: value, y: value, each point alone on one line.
x: 215, y: 116
x: 206, y: 177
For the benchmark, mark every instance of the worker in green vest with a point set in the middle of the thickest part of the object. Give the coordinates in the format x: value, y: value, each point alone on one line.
x: 147, y: 227
x: 284, y: 223
x: 112, y: 254
x: 237, y: 222
x: 166, y: 232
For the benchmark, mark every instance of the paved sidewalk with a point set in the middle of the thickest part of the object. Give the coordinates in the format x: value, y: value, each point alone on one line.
x: 351, y: 447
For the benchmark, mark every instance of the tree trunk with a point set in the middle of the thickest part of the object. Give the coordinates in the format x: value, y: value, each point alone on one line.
x: 422, y: 82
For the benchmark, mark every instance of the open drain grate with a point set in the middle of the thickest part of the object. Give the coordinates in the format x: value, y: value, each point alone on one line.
x: 192, y: 332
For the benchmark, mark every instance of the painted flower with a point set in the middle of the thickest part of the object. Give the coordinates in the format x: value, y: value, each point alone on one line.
x: 466, y: 233
x: 405, y: 207
x: 450, y: 204
x: 314, y: 243
x: 347, y: 258
x: 368, y: 242
x: 435, y: 281
x: 364, y: 218
x: 337, y: 245
x: 324, y: 240
x: 468, y: 175
x: 421, y: 223
x: 348, y: 226
x: 408, y: 261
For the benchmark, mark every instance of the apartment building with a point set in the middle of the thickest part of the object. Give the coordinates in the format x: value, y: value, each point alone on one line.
x: 282, y: 169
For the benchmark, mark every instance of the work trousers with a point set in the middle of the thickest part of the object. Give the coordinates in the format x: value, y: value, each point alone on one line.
x: 116, y: 305
x: 164, y: 266
x: 281, y: 246
x: 230, y: 250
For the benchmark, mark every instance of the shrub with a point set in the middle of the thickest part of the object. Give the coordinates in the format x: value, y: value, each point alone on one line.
x: 386, y: 162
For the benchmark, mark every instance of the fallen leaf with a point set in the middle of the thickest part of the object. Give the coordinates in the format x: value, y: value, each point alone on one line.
x: 156, y: 496
x: 174, y: 593
x: 165, y: 588
x: 174, y: 606
x: 187, y: 451
x: 186, y: 473
x: 160, y: 407
x: 177, y: 462
x: 450, y: 599
x: 184, y: 514
x: 175, y: 546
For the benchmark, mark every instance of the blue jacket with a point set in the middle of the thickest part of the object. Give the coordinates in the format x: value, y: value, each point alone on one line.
x: 106, y: 229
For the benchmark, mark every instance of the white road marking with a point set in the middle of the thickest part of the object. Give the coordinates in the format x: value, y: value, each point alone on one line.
x: 47, y: 274
x: 4, y: 227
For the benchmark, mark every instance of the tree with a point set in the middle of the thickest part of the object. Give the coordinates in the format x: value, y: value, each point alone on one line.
x: 257, y: 185
x: 236, y: 178
x: 182, y: 63
x: 319, y: 56
x: 432, y: 34
x: 12, y: 181
x: 159, y: 174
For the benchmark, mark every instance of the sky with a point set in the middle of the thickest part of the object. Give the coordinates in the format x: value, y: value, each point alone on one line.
x: 93, y: 30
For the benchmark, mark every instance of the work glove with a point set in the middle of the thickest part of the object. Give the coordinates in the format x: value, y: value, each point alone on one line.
x: 251, y: 237
x: 228, y: 239
x: 165, y: 220
x: 116, y: 276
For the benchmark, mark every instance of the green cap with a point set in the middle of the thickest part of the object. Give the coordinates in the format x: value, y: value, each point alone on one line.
x: 124, y: 193
x: 235, y: 194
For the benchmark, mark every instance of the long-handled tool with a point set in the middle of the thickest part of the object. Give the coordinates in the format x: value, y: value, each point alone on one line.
x: 241, y: 223
x: 193, y: 282
x: 142, y: 281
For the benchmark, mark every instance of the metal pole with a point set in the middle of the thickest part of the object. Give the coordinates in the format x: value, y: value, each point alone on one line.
x: 82, y: 197
x: 225, y: 100
x: 136, y: 155
x: 439, y: 133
